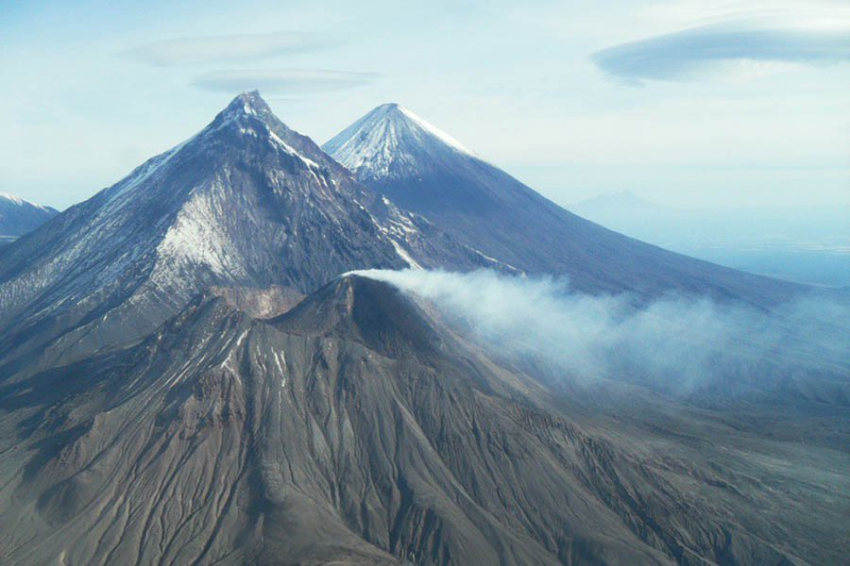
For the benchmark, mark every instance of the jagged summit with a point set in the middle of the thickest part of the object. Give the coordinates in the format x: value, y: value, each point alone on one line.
x: 249, y: 120
x: 391, y: 141
x: 247, y: 108
x: 249, y: 102
x: 246, y: 128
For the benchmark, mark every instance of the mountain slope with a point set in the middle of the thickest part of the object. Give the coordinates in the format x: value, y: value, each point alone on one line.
x: 19, y: 216
x: 359, y: 429
x: 247, y: 202
x: 425, y: 171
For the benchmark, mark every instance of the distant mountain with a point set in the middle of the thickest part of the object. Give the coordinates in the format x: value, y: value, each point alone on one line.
x: 427, y: 172
x: 19, y: 216
x: 393, y: 142
x: 360, y: 429
x: 623, y: 203
x: 247, y: 202
x: 805, y: 244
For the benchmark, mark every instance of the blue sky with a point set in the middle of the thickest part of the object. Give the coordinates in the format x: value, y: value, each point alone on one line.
x: 686, y: 102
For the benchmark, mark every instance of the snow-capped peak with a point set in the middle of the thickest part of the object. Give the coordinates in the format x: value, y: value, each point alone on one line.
x: 18, y: 201
x: 246, y: 124
x: 246, y: 113
x: 428, y: 127
x: 19, y: 216
x: 252, y: 116
x: 248, y: 103
x: 391, y: 139
x: 12, y: 198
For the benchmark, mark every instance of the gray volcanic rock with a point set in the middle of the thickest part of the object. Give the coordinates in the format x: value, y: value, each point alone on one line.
x: 425, y: 171
x: 257, y: 302
x: 359, y: 429
x: 19, y: 216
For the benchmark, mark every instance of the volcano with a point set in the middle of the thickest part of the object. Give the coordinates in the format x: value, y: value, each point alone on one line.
x: 426, y: 171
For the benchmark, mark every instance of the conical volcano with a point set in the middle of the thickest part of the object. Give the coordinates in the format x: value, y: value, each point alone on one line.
x: 426, y: 171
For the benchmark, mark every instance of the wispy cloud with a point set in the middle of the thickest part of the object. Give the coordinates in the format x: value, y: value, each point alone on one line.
x: 682, y: 55
x: 230, y: 48
x: 283, y: 81
x: 677, y: 344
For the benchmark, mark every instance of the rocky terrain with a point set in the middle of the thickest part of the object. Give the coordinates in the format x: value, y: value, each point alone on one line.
x: 359, y: 429
x: 192, y: 372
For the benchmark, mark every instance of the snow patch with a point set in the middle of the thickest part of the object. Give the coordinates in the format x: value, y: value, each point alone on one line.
x: 436, y: 132
x: 280, y: 361
x: 403, y: 254
x: 392, y: 140
x: 197, y: 237
x: 291, y: 150
x: 145, y: 172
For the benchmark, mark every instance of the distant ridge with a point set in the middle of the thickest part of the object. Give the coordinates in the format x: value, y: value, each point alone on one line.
x: 19, y: 216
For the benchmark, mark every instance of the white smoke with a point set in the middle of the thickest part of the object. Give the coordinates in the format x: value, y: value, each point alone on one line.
x: 674, y: 343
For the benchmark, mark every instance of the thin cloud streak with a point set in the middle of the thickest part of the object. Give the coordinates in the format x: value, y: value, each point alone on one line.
x: 283, y: 81
x: 677, y: 344
x: 230, y: 48
x: 682, y: 55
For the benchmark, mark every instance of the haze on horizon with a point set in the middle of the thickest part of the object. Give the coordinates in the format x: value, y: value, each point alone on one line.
x: 685, y: 102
